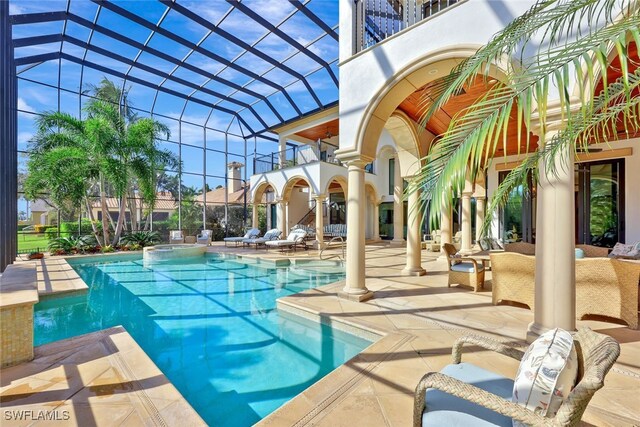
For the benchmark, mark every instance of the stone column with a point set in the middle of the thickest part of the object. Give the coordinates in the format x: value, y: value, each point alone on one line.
x: 355, y: 288
x: 414, y: 243
x: 282, y: 146
x: 466, y: 223
x: 376, y: 221
x: 282, y: 217
x: 555, y: 292
x: 254, y: 217
x: 480, y: 201
x: 398, y: 220
x: 445, y: 226
x: 320, y: 198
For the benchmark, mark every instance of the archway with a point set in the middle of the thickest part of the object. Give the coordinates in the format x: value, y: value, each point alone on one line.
x: 263, y: 207
x: 297, y: 198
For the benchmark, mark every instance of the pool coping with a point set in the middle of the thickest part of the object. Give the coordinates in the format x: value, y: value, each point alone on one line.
x: 89, y: 388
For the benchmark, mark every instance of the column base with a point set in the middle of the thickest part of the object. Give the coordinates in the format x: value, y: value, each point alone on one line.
x: 414, y: 271
x: 534, y: 331
x: 397, y: 242
x: 357, y: 297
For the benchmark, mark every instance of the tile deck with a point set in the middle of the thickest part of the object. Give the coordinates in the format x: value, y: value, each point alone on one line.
x: 112, y: 382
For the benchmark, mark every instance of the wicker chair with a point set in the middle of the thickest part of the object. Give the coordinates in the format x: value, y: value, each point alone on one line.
x: 521, y: 248
x: 591, y: 251
x: 596, y: 355
x: 176, y: 236
x: 607, y: 287
x: 463, y: 271
x: 513, y: 278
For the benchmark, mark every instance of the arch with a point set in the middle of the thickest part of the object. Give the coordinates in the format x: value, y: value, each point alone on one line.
x: 291, y: 182
x: 371, y: 193
x: 408, y: 147
x: 406, y: 81
x: 341, y: 180
x: 260, y: 189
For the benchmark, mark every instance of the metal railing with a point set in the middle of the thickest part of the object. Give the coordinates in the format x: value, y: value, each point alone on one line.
x: 378, y: 19
x: 342, y: 245
x: 294, y: 156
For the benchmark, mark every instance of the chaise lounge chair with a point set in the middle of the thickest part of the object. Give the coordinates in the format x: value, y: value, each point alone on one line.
x: 294, y: 239
x: 253, y: 233
x: 273, y: 234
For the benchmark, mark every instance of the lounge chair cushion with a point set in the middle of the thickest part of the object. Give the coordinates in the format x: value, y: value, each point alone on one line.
x: 547, y: 373
x: 443, y: 409
x: 296, y: 236
x: 466, y: 267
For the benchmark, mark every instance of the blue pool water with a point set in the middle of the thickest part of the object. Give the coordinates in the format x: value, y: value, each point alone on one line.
x: 211, y: 325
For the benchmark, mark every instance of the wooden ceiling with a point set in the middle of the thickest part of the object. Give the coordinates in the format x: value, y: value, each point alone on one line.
x: 614, y: 72
x: 439, y: 122
x: 321, y: 131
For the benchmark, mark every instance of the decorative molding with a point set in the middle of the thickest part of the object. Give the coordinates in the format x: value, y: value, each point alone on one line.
x: 580, y: 158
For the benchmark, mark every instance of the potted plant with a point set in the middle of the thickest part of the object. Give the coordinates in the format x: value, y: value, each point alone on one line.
x: 35, y: 255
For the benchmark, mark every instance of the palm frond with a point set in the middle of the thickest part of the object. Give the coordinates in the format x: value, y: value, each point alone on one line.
x: 473, y: 134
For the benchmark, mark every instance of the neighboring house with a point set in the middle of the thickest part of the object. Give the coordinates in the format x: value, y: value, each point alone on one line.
x: 165, y: 205
x: 42, y: 213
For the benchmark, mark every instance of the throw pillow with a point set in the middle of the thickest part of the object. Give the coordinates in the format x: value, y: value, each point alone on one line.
x: 579, y: 253
x: 547, y: 373
x: 620, y: 250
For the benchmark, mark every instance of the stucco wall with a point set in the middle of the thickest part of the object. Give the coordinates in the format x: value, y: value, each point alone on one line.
x: 368, y: 74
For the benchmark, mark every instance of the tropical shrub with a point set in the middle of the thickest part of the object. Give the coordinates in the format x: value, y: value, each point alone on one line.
x: 141, y: 238
x: 108, y: 249
x: 51, y: 233
x: 73, y: 244
x: 134, y: 247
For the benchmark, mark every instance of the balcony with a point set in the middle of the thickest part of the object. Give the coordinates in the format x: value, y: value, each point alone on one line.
x: 295, y: 156
x: 377, y: 20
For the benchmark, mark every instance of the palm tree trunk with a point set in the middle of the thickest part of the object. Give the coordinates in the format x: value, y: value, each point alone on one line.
x: 92, y: 219
x: 121, y: 214
x: 105, y: 212
x: 133, y: 212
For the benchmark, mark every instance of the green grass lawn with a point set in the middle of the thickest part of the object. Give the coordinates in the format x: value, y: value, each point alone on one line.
x: 30, y: 241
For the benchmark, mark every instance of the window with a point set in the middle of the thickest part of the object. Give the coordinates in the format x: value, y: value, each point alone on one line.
x: 600, y: 202
x: 517, y: 217
x: 369, y: 168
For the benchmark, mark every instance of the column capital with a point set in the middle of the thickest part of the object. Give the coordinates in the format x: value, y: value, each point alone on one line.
x: 356, y: 164
x: 319, y: 197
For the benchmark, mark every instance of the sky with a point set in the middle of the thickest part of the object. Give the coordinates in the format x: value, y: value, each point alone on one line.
x: 34, y: 97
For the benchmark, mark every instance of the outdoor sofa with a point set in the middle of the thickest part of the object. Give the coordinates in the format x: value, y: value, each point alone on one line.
x: 252, y: 233
x: 604, y: 286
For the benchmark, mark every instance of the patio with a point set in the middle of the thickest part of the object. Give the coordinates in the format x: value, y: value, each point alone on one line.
x: 418, y: 318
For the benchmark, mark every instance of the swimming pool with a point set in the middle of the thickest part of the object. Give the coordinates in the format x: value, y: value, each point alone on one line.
x: 211, y: 325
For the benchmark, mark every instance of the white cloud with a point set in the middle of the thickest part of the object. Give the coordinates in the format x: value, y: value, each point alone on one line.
x: 24, y: 107
x: 15, y: 9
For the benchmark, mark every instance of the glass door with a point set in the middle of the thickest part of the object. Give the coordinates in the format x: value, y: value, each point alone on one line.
x: 600, y: 203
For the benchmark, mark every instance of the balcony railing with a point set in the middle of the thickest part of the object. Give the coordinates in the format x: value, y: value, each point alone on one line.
x: 294, y: 156
x: 378, y: 19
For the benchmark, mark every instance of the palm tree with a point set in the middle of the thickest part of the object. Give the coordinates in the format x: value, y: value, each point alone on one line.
x: 574, y: 41
x: 109, y: 149
x: 132, y: 154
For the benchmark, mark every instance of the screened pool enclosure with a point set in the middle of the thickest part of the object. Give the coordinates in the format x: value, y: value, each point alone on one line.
x: 219, y: 75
